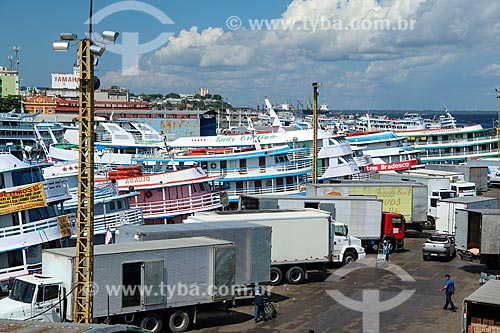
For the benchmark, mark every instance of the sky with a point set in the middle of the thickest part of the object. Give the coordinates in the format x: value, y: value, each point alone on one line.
x: 367, y: 54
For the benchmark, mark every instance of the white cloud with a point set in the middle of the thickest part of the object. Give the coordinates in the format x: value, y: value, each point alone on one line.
x: 246, y: 64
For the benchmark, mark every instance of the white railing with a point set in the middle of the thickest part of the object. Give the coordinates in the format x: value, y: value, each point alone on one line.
x: 463, y: 140
x: 295, y: 188
x: 468, y: 153
x: 179, y: 206
x: 114, y: 220
x: 259, y: 171
x: 56, y: 189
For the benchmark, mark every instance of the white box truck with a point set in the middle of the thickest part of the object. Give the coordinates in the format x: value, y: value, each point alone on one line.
x: 149, y: 284
x: 302, y: 239
x: 479, y: 229
x: 476, y: 174
x: 252, y: 241
x: 408, y: 199
x: 493, y: 165
x: 446, y: 208
x: 363, y: 215
x: 481, y: 309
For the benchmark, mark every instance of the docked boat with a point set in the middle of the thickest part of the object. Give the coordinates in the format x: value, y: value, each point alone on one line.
x: 409, y: 122
x: 30, y: 216
x: 452, y: 145
x: 168, y: 197
x: 115, y: 142
x: 23, y: 137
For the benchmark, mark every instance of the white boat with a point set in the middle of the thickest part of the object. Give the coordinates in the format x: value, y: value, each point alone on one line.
x: 115, y: 142
x: 452, y: 145
x: 28, y: 222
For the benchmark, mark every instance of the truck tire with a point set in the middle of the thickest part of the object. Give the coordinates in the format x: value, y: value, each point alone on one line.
x: 430, y: 223
x: 276, y: 276
x: 295, y: 275
x: 178, y: 321
x: 348, y: 258
x: 151, y: 322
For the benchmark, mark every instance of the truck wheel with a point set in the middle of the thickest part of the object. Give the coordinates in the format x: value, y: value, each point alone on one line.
x: 429, y: 224
x: 152, y: 323
x: 295, y: 275
x: 426, y: 258
x: 348, y: 258
x: 179, y: 321
x: 276, y: 276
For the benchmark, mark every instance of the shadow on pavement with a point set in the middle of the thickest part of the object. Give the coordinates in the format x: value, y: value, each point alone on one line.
x: 473, y: 268
x: 417, y: 234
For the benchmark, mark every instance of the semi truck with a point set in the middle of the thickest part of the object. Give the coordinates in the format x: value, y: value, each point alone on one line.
x: 363, y: 215
x: 446, y: 208
x: 479, y: 229
x: 147, y: 284
x: 408, y: 199
x: 252, y: 241
x: 302, y: 239
x: 481, y: 309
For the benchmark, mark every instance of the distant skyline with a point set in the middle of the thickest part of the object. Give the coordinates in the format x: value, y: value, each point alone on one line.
x: 369, y: 54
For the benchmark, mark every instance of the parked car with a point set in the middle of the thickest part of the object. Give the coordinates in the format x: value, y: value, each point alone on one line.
x: 439, y: 246
x: 489, y: 275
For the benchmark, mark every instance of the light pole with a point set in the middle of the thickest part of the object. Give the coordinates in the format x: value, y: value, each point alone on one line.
x: 84, y: 274
x: 315, y: 85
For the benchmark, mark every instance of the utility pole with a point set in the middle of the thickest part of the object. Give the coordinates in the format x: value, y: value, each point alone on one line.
x: 315, y: 133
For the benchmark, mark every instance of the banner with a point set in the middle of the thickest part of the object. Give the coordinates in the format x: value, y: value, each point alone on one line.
x: 64, y: 226
x: 29, y: 197
x: 391, y: 166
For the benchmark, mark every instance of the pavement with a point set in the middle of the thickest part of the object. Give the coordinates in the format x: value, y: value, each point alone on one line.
x: 402, y: 297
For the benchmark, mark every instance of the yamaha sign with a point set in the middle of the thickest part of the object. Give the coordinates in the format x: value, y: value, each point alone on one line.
x: 64, y: 81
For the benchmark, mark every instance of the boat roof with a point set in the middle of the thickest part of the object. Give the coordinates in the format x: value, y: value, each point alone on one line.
x: 9, y: 162
x: 487, y: 293
x: 155, y: 245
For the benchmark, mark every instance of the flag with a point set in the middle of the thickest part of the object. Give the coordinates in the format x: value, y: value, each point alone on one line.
x: 109, y: 236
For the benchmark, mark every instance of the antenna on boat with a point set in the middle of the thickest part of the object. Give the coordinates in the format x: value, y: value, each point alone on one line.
x: 255, y: 139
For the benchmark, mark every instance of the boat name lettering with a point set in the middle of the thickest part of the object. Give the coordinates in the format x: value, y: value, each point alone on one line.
x: 245, y: 138
x: 137, y: 180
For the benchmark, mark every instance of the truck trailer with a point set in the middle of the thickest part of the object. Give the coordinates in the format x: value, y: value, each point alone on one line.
x: 479, y: 229
x: 302, y: 239
x: 476, y: 174
x: 481, y: 309
x: 446, y: 208
x: 252, y: 241
x: 408, y: 199
x: 363, y: 215
x: 142, y: 283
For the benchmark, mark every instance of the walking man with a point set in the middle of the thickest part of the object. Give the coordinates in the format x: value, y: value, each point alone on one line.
x: 449, y: 288
x: 259, y: 305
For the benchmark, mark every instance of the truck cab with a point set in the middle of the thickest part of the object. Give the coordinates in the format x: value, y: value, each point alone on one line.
x: 34, y: 297
x: 464, y: 189
x: 344, y: 244
x: 433, y: 201
x: 393, y: 230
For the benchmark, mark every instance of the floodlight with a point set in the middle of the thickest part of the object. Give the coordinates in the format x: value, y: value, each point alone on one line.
x: 60, y: 46
x: 97, y: 50
x: 110, y: 35
x: 67, y: 36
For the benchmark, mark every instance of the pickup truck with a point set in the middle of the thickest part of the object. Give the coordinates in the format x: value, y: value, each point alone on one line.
x: 440, y: 246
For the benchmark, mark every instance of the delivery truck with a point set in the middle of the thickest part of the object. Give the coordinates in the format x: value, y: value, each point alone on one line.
x: 302, y: 239
x: 148, y: 284
x: 363, y: 215
x: 408, y: 199
x: 481, y: 309
x: 446, y: 208
x: 478, y: 232
x: 493, y: 165
x: 252, y: 241
x: 476, y: 174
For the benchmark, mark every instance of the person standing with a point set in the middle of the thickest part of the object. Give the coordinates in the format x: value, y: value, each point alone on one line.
x: 386, y: 249
x: 449, y: 288
x: 259, y: 305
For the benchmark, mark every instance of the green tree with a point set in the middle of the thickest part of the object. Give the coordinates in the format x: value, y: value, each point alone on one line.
x: 217, y: 97
x: 173, y: 95
x: 10, y: 102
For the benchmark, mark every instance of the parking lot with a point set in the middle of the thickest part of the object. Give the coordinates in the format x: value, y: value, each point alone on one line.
x: 311, y: 307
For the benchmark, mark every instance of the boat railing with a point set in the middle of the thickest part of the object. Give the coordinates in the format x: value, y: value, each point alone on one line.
x: 466, y: 153
x: 39, y: 226
x: 259, y: 170
x: 291, y: 188
x: 117, y: 219
x: 56, y: 189
x: 180, y: 206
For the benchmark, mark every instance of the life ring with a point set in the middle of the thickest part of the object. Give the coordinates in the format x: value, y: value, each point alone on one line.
x: 148, y: 194
x: 213, y: 165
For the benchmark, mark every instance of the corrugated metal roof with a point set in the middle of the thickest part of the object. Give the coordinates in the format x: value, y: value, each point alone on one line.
x: 484, y: 211
x: 487, y: 293
x: 313, y: 198
x: 363, y: 183
x: 190, y: 227
x: 467, y: 199
x: 143, y: 246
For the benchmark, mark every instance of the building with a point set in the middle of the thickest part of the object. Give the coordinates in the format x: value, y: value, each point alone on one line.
x: 9, y: 82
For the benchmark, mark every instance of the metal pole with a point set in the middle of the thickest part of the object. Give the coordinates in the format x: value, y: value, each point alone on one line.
x: 498, y: 123
x: 84, y: 275
x: 315, y: 134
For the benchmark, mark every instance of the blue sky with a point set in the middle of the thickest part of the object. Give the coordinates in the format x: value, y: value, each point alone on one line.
x: 450, y: 55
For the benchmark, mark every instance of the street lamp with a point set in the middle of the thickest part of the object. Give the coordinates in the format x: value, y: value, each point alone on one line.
x: 315, y: 86
x: 89, y: 48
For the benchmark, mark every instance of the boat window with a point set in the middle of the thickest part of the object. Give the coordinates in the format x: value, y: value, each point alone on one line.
x: 112, y: 206
x: 26, y: 176
x: 22, y: 291
x: 119, y: 204
x: 202, y: 187
x: 42, y: 213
